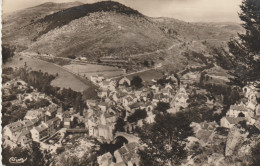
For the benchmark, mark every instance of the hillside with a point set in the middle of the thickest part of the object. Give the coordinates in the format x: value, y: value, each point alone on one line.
x: 92, y: 30
x: 16, y: 22
x: 110, y: 29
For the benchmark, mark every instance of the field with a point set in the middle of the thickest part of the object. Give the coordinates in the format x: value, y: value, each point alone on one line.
x: 91, y: 69
x: 65, y: 79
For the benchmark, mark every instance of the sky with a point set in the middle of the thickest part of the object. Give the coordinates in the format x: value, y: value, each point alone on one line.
x: 187, y: 10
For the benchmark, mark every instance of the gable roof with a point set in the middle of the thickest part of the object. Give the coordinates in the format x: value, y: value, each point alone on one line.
x: 15, y: 126
x: 239, y: 108
x: 33, y: 113
x: 51, y: 121
x: 41, y: 128
x: 136, y: 105
x: 236, y: 120
x: 27, y: 123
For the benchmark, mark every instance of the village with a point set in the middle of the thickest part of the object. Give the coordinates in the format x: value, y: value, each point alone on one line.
x: 131, y: 100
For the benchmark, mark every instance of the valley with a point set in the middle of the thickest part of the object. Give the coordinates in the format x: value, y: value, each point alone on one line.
x: 102, y: 84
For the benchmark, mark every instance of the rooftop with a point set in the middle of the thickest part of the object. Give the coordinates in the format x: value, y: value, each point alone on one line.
x: 232, y: 120
x: 41, y: 128
x: 239, y: 108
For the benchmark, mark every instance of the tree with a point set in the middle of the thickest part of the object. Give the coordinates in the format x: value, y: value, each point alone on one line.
x: 37, y: 156
x: 146, y: 63
x: 90, y: 93
x: 18, y: 152
x: 256, y: 155
x: 137, y: 82
x: 72, y: 57
x: 119, y: 126
x: 162, y: 107
x: 7, y: 52
x: 137, y: 115
x: 164, y: 140
x: 246, y: 50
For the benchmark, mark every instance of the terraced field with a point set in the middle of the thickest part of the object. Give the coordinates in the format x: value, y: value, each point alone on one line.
x: 88, y: 70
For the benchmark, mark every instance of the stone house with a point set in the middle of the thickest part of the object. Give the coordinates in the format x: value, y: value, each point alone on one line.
x: 105, y: 160
x: 53, y: 125
x: 40, y: 132
x: 235, y: 110
x: 127, y: 154
x: 11, y: 130
x: 229, y: 122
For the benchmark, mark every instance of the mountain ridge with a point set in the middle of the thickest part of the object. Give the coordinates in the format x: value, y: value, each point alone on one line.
x: 109, y: 28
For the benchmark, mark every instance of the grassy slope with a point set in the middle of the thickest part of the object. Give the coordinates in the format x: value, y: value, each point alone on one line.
x: 102, y: 34
x: 109, y: 28
x: 65, y: 79
x: 16, y: 25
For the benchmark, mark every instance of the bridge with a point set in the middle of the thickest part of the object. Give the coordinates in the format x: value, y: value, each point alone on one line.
x: 128, y: 137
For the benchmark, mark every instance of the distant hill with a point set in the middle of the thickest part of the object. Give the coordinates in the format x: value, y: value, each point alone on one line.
x: 110, y: 29
x: 92, y: 30
x: 16, y: 22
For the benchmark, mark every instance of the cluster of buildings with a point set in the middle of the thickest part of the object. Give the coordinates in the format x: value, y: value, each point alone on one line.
x: 14, y: 84
x: 247, y: 110
x: 119, y: 99
x: 37, y: 125
x: 118, y: 96
x: 125, y: 156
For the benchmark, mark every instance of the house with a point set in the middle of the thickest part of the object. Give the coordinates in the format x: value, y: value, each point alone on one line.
x: 105, y: 160
x: 53, y: 125
x: 137, y: 93
x: 33, y: 114
x: 91, y: 103
x: 168, y: 86
x: 157, y: 97
x: 166, y: 92
x: 28, y: 124
x: 165, y: 98
x: 104, y: 84
x: 135, y: 106
x: 237, y: 110
x: 60, y: 113
x: 92, y: 126
x: 66, y: 122
x: 51, y: 111
x: 115, y: 97
x: 103, y: 93
x: 106, y: 131
x: 155, y: 88
x: 249, y: 90
x: 229, y: 122
x: 40, y: 132
x: 180, y: 99
x: 97, y: 78
x: 103, y: 106
x: 111, y: 117
x: 127, y: 100
x: 10, y: 130
x: 144, y: 95
x: 257, y: 110
x: 24, y: 138
x: 124, y: 81
x: 128, y: 154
